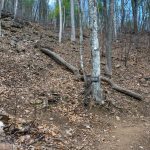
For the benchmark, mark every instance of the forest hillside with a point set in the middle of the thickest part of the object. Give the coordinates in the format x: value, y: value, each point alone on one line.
x: 46, y: 97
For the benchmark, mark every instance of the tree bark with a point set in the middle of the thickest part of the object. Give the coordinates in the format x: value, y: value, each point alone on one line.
x: 64, y: 18
x: 73, y: 33
x: 1, y: 8
x: 15, y: 8
x: 60, y: 60
x: 81, y: 37
x: 122, y: 14
x: 109, y: 34
x: 135, y: 11
x: 96, y: 85
x: 60, y: 21
x: 105, y: 26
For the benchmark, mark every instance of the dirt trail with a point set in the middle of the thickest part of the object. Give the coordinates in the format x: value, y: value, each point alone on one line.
x: 128, y: 137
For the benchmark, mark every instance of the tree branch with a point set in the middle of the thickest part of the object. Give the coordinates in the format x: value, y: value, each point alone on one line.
x: 60, y: 60
x: 75, y: 70
x: 122, y: 90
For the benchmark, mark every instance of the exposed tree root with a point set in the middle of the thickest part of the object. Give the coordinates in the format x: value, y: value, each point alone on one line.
x: 74, y: 70
x: 122, y: 90
x: 60, y: 60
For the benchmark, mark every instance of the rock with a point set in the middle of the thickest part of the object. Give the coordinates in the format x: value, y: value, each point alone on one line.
x: 1, y: 124
x: 118, y: 66
x: 51, y: 119
x: 1, y: 127
x: 141, y: 147
x: 117, y: 118
x: 87, y: 126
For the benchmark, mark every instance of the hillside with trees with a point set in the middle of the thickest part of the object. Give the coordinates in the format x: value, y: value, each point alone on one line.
x: 75, y: 74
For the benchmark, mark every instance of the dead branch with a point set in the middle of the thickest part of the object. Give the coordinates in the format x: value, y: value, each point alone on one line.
x: 60, y: 60
x: 36, y: 140
x: 122, y: 90
x: 74, y: 70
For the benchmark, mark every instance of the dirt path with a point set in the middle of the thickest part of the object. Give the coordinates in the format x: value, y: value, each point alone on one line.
x: 129, y: 137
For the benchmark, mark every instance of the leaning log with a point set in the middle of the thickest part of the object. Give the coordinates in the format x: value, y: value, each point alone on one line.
x: 60, y: 60
x: 122, y: 90
x: 75, y: 71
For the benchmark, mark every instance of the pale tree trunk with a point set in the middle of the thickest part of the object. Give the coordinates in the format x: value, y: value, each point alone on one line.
x: 60, y: 21
x: 64, y: 19
x: 115, y: 21
x: 105, y: 26
x: 1, y: 8
x: 109, y: 40
x: 115, y: 27
x: 15, y: 8
x: 81, y: 38
x: 96, y: 83
x: 73, y: 33
x: 143, y: 17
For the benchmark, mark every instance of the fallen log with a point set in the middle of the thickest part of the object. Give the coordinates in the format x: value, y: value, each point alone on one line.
x: 122, y: 90
x: 74, y: 70
x: 118, y: 88
x: 60, y: 60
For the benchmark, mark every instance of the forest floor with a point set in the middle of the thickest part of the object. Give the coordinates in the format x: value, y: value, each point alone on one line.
x: 28, y: 78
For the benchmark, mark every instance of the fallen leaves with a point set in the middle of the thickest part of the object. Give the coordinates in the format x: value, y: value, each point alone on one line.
x: 30, y: 79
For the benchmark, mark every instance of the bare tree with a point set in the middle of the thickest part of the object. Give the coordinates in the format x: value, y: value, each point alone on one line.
x: 73, y: 33
x: 122, y: 14
x: 135, y: 12
x: 60, y: 21
x: 81, y: 38
x: 1, y: 8
x: 64, y: 18
x: 96, y: 83
x: 109, y: 34
x: 15, y: 8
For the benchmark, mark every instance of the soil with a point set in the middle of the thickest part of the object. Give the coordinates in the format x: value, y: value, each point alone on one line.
x: 29, y: 78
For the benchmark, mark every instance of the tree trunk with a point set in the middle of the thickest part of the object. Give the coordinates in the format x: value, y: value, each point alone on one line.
x: 60, y: 21
x: 73, y: 36
x: 115, y: 26
x: 105, y: 25
x: 122, y: 14
x: 60, y: 60
x: 15, y: 8
x: 64, y: 18
x: 96, y: 84
x: 135, y: 11
x: 81, y: 38
x: 1, y: 8
x: 109, y: 35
